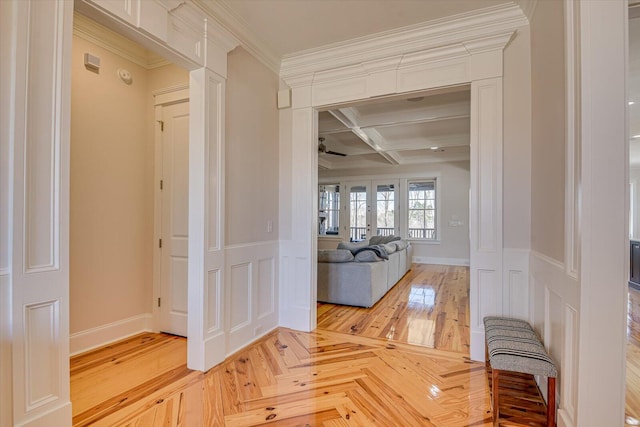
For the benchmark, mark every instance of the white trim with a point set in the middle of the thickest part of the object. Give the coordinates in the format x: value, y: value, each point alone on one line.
x: 554, y: 262
x: 240, y: 29
x: 465, y: 32
x: 98, y: 35
x: 572, y: 136
x: 170, y: 89
x: 440, y: 261
x: 99, y: 336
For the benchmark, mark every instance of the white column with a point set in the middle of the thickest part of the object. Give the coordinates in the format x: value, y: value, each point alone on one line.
x: 604, y: 213
x: 40, y: 217
x: 206, y: 321
x: 299, y: 255
x: 485, y: 208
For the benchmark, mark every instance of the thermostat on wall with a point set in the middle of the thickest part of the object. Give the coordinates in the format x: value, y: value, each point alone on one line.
x: 91, y: 62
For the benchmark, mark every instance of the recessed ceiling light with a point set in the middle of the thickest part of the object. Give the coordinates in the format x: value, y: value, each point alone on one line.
x: 435, y: 148
x: 631, y: 102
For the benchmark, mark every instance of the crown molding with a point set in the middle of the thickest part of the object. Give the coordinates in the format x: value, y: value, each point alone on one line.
x: 481, y: 30
x: 221, y: 12
x: 528, y: 7
x: 95, y: 33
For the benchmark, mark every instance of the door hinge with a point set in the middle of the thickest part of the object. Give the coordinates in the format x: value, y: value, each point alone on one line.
x: 158, y: 302
x: 161, y: 184
x: 161, y: 125
x: 160, y: 243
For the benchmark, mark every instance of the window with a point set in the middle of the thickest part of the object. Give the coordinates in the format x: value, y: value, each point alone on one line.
x: 422, y: 209
x: 328, y: 210
x: 385, y: 210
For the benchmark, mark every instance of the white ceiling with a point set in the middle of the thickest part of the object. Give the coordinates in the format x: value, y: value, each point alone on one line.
x: 426, y: 128
x: 290, y: 26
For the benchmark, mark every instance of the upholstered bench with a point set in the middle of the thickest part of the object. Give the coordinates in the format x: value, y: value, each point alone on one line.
x: 512, y: 345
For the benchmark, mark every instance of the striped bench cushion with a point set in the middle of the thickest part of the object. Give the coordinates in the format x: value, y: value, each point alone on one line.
x: 514, y: 346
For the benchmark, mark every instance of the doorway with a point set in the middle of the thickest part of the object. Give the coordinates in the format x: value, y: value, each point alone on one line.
x: 113, y: 180
x: 400, y: 166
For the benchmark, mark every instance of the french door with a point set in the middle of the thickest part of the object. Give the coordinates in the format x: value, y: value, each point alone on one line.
x: 372, y: 209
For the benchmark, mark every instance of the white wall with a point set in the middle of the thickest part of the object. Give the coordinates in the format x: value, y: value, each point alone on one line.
x: 251, y: 200
x: 112, y: 190
x: 251, y: 151
x: 453, y: 187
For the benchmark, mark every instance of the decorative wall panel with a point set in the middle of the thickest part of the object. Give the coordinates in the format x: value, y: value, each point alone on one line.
x: 240, y: 296
x: 266, y: 288
x: 42, y: 356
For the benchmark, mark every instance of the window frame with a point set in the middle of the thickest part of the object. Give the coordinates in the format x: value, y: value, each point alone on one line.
x: 436, y: 210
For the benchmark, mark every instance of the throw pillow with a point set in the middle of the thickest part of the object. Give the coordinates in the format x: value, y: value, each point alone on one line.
x: 376, y: 240
x: 367, y: 256
x: 389, y: 247
x: 400, y: 244
x: 334, y: 255
x: 352, y: 246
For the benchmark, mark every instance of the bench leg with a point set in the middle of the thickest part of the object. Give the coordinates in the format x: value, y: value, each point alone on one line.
x: 494, y: 396
x: 551, y: 402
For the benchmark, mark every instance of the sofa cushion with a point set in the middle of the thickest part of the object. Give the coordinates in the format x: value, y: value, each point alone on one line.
x: 400, y: 244
x: 352, y: 246
x: 389, y: 247
x: 381, y: 240
x: 334, y: 255
x: 367, y: 255
x: 376, y: 240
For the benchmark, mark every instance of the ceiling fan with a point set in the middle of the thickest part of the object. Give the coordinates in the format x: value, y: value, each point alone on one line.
x: 323, y: 148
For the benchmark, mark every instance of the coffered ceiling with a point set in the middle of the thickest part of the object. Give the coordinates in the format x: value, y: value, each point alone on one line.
x: 423, y: 128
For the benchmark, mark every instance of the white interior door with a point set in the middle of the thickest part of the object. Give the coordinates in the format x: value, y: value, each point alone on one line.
x: 175, y: 218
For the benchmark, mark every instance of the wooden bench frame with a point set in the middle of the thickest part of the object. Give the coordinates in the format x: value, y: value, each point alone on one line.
x: 495, y: 401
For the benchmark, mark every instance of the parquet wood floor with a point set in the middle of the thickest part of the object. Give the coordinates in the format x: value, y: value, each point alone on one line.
x: 290, y: 378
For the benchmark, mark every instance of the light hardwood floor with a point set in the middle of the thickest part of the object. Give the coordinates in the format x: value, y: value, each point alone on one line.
x: 633, y: 356
x: 327, y: 377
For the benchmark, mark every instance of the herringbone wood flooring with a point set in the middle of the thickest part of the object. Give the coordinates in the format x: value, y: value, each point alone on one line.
x: 633, y: 355
x: 291, y: 378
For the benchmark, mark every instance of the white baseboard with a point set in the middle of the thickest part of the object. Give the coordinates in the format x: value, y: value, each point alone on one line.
x: 80, y: 342
x: 441, y: 261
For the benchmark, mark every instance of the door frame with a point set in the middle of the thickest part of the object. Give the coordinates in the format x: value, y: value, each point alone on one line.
x: 162, y: 98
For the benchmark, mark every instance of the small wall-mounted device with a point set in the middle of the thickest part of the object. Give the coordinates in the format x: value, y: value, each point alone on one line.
x: 92, y: 63
x: 125, y: 76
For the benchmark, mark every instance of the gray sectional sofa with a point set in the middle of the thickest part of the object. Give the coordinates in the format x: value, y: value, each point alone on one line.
x: 359, y: 274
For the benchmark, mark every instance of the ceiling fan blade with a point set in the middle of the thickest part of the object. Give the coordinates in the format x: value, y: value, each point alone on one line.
x: 335, y: 153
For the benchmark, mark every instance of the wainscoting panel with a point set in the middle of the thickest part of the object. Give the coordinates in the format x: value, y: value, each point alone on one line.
x: 554, y: 295
x: 252, y: 293
x: 240, y: 284
x: 266, y: 304
x: 515, y: 293
x: 42, y: 326
x: 213, y: 297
